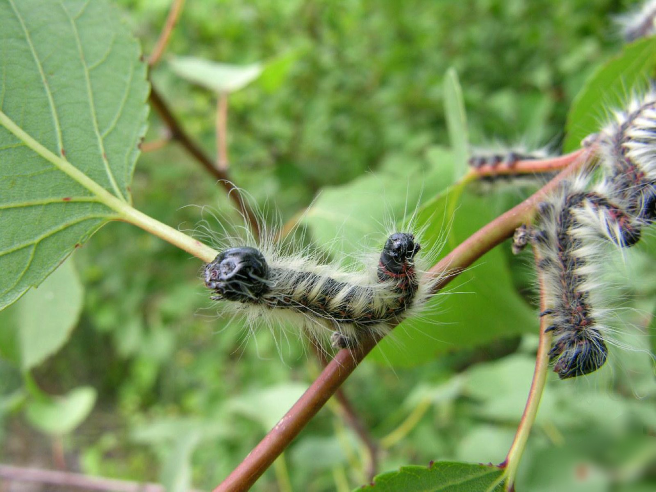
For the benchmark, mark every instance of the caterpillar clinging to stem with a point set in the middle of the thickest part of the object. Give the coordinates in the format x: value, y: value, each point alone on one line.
x: 577, y: 226
x: 352, y: 305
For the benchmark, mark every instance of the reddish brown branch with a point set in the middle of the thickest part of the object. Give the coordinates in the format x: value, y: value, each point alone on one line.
x: 165, y: 35
x: 68, y: 479
x: 528, y: 167
x: 222, y: 132
x: 345, y: 362
x: 178, y: 133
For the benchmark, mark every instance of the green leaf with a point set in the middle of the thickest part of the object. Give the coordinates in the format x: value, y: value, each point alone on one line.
x: 277, y: 401
x: 47, y: 315
x: 72, y: 113
x: 60, y: 415
x: 167, y: 429
x: 443, y: 476
x: 319, y: 453
x: 651, y: 331
x: 608, y: 88
x: 456, y: 121
x: 217, y: 77
x: 360, y: 210
x: 275, y: 72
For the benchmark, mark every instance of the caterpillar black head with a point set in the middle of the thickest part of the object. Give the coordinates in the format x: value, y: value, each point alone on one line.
x: 238, y: 274
x: 399, y: 251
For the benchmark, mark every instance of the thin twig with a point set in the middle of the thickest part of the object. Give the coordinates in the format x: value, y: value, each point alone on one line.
x: 178, y: 133
x: 345, y: 362
x: 222, y: 132
x: 526, y: 167
x: 69, y: 479
x: 407, y: 425
x: 511, y: 463
x: 165, y: 35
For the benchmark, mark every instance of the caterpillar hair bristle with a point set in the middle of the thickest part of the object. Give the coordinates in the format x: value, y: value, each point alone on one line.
x: 269, y: 281
x: 580, y: 223
x: 638, y: 24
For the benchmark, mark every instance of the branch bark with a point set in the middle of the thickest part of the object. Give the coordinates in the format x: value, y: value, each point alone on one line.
x: 68, y: 479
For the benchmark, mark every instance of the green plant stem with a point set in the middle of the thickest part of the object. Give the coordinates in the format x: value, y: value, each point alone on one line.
x: 516, y: 451
x: 165, y: 232
x: 407, y: 425
x: 282, y: 474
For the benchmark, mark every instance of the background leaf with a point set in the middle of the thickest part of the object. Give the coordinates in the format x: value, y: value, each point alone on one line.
x: 217, y: 77
x: 60, y: 415
x: 359, y: 212
x: 45, y: 317
x: 81, y: 98
x: 456, y: 121
x: 440, y: 477
x: 610, y: 87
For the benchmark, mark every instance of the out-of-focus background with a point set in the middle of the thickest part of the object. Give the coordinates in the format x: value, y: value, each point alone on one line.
x: 352, y: 89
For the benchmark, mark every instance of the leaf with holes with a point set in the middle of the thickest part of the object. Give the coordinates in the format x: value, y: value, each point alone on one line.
x: 72, y: 113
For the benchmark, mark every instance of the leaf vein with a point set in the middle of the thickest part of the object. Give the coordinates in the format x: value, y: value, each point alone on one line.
x: 44, y: 80
x: 49, y: 201
x: 121, y: 106
x: 51, y: 232
x: 21, y: 274
x: 92, y: 106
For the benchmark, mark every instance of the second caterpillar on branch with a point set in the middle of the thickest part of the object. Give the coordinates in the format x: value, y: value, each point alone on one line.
x: 321, y: 298
x: 578, y: 227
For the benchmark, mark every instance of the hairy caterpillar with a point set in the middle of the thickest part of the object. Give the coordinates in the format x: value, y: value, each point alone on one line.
x: 576, y: 224
x: 269, y: 282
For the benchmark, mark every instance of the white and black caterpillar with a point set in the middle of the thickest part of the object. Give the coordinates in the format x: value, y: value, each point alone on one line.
x: 577, y: 224
x: 351, y: 305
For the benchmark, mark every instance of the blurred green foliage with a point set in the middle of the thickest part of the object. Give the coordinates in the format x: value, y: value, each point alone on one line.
x: 180, y: 391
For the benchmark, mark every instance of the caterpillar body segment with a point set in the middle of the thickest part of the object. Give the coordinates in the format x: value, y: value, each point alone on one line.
x: 569, y: 261
x: 351, y: 305
x: 628, y: 155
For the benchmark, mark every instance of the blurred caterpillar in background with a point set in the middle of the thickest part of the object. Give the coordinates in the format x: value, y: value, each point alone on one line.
x: 501, y: 157
x: 268, y: 283
x: 578, y: 222
x: 639, y: 24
